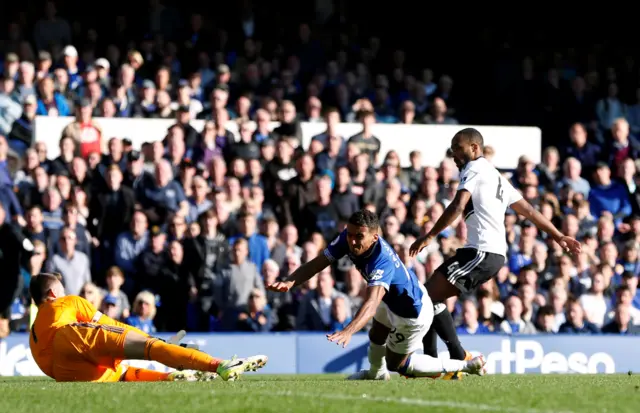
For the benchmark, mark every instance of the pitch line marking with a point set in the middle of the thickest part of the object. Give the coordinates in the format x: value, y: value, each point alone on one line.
x: 414, y: 402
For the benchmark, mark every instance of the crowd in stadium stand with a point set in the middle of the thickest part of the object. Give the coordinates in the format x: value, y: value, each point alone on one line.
x: 186, y: 231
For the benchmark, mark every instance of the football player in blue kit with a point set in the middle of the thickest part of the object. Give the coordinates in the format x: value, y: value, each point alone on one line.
x: 400, y: 306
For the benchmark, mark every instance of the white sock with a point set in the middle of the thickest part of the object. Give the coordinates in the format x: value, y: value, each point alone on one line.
x: 377, y: 360
x: 421, y: 365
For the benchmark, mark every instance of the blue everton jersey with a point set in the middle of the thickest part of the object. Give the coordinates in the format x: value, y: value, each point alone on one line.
x: 382, y: 266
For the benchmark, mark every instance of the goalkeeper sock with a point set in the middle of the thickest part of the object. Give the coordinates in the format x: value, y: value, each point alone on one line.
x: 377, y: 360
x: 421, y: 365
x: 178, y: 357
x: 136, y: 374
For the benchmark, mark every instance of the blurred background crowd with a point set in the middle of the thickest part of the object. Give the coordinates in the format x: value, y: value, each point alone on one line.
x: 188, y: 230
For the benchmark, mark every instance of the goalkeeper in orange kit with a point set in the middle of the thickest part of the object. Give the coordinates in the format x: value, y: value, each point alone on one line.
x: 72, y: 341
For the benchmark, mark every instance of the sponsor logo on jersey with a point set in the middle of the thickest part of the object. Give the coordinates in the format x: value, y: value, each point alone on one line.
x: 376, y: 275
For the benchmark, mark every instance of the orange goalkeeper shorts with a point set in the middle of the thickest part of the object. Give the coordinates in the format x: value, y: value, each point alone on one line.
x: 88, y: 352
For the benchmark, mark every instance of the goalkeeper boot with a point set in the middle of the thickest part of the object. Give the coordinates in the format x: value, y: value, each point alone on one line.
x: 230, y: 370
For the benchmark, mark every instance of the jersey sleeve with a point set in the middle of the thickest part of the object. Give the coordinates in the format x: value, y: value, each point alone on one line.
x: 382, y: 274
x: 512, y: 195
x: 338, y: 248
x: 85, y: 311
x: 468, y: 181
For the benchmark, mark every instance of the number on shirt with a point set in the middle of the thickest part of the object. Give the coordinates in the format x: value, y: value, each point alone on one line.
x: 399, y: 337
x: 499, y: 191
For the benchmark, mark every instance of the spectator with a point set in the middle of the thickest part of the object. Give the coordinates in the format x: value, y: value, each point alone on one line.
x: 115, y: 280
x: 20, y: 134
x: 10, y: 110
x: 257, y: 317
x: 240, y: 278
x: 607, y: 195
x: 314, y: 313
x: 143, y: 312
x: 14, y: 247
x: 340, y: 311
x: 583, y: 151
x: 130, y: 244
x: 571, y: 178
x: 257, y: 243
x: 84, y: 130
x: 365, y: 140
x: 163, y: 196
x: 92, y: 293
x: 576, y: 324
x: 513, y: 322
x: 206, y: 255
x: 111, y: 213
x: 594, y: 303
x: 621, y: 323
x: 470, y: 324
x: 73, y: 265
x: 546, y: 323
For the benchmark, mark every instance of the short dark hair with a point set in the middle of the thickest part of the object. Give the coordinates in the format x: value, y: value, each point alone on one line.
x: 209, y: 213
x: 621, y: 289
x: 529, y: 267
x: 363, y: 114
x: 365, y: 218
x: 471, y: 135
x: 41, y: 284
x: 545, y: 311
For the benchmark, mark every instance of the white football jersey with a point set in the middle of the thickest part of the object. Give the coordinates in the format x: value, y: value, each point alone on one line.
x: 491, y: 195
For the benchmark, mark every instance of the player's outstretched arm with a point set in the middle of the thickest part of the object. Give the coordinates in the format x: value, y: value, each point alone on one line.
x: 366, y: 313
x: 450, y: 214
x: 301, y: 275
x: 525, y: 209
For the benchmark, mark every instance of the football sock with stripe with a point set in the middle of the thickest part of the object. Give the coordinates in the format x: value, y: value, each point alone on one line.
x: 178, y: 357
x: 376, y: 355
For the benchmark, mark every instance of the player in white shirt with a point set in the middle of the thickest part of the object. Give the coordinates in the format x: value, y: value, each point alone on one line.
x: 483, y: 197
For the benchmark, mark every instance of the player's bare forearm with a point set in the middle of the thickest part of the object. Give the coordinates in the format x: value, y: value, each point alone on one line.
x: 308, y: 270
x: 106, y: 320
x: 525, y: 209
x: 368, y: 309
x: 451, y: 213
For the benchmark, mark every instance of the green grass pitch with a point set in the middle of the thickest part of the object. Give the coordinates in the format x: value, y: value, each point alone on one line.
x: 330, y: 393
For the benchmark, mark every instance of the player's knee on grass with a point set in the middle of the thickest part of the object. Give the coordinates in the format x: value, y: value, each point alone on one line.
x: 440, y: 289
x: 378, y: 333
x: 395, y: 361
x: 134, y: 345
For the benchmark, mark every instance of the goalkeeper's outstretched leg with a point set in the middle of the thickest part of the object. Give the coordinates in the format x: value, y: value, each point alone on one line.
x: 139, y: 347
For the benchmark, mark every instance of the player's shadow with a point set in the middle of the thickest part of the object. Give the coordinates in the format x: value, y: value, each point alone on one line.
x: 356, y: 356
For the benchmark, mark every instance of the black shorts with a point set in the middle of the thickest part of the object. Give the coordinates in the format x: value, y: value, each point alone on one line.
x: 5, y: 313
x: 470, y: 267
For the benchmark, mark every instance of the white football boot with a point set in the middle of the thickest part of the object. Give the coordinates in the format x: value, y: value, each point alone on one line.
x: 476, y: 366
x: 366, y: 375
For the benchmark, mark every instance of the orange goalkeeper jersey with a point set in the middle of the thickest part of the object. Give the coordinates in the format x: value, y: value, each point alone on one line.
x: 53, y: 315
